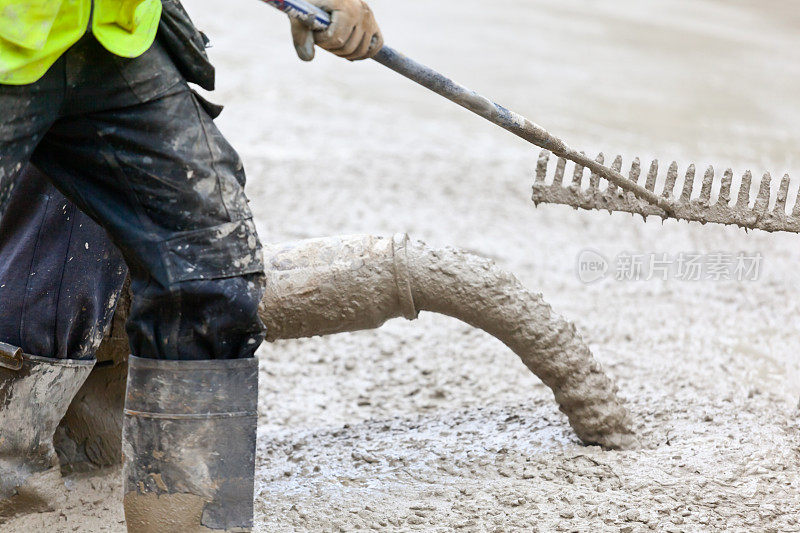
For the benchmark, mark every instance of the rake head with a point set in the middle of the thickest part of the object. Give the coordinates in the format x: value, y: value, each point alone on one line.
x: 597, y: 193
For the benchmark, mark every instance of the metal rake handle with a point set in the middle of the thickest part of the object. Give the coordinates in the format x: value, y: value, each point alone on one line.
x: 317, y: 19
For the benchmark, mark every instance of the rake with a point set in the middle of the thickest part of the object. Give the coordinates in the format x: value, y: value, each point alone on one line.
x: 607, y: 188
x: 596, y: 193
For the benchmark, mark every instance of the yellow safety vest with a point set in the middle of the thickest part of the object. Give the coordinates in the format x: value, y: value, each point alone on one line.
x: 34, y: 33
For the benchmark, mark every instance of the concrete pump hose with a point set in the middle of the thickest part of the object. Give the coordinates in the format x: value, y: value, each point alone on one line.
x: 332, y: 285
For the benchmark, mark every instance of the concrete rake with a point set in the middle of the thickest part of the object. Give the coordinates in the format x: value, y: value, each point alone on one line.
x: 607, y: 188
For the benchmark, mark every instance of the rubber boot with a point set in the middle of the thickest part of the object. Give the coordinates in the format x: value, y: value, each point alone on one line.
x: 33, y: 400
x: 188, y: 441
x: 90, y: 434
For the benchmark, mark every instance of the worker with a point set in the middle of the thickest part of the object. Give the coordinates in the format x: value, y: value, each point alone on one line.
x: 104, y: 110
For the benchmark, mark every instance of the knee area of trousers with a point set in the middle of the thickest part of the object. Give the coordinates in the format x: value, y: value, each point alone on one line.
x: 225, y: 252
x: 198, y: 319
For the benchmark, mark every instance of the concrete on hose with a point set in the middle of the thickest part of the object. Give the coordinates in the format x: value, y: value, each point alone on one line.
x: 338, y: 284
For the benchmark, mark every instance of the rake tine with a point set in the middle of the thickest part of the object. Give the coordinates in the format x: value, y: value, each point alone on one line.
x: 744, y: 191
x: 672, y: 177
x: 577, y: 176
x: 783, y: 194
x: 616, y: 165
x: 725, y: 190
x: 762, y: 200
x: 635, y: 205
x: 652, y: 174
x: 796, y: 209
x: 708, y: 182
x: 636, y: 170
x: 561, y: 165
x: 688, y: 184
x: 633, y: 175
x: 541, y: 166
x: 594, y: 179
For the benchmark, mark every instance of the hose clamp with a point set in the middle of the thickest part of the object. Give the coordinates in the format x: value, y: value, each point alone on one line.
x: 402, y: 277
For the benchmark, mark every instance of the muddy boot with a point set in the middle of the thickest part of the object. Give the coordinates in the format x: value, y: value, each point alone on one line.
x: 32, y: 401
x: 90, y: 435
x: 189, y: 439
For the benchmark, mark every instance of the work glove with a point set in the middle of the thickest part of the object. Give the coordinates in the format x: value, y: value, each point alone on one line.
x: 353, y: 34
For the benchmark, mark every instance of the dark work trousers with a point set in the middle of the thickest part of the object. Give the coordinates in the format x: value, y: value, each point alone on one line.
x: 128, y: 142
x: 60, y: 276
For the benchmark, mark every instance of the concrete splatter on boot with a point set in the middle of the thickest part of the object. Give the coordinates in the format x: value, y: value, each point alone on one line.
x: 33, y: 400
x: 90, y: 434
x: 189, y: 439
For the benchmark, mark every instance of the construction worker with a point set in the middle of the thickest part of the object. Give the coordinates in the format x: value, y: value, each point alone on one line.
x: 104, y: 110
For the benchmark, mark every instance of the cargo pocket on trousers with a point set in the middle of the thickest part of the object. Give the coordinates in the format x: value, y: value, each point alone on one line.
x: 228, y: 250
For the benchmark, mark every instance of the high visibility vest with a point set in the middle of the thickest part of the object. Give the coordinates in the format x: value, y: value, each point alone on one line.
x: 34, y: 33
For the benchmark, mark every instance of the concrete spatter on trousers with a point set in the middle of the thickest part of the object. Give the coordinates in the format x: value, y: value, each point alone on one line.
x: 339, y: 284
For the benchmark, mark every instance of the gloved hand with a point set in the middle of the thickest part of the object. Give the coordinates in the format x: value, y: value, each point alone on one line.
x: 353, y: 34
